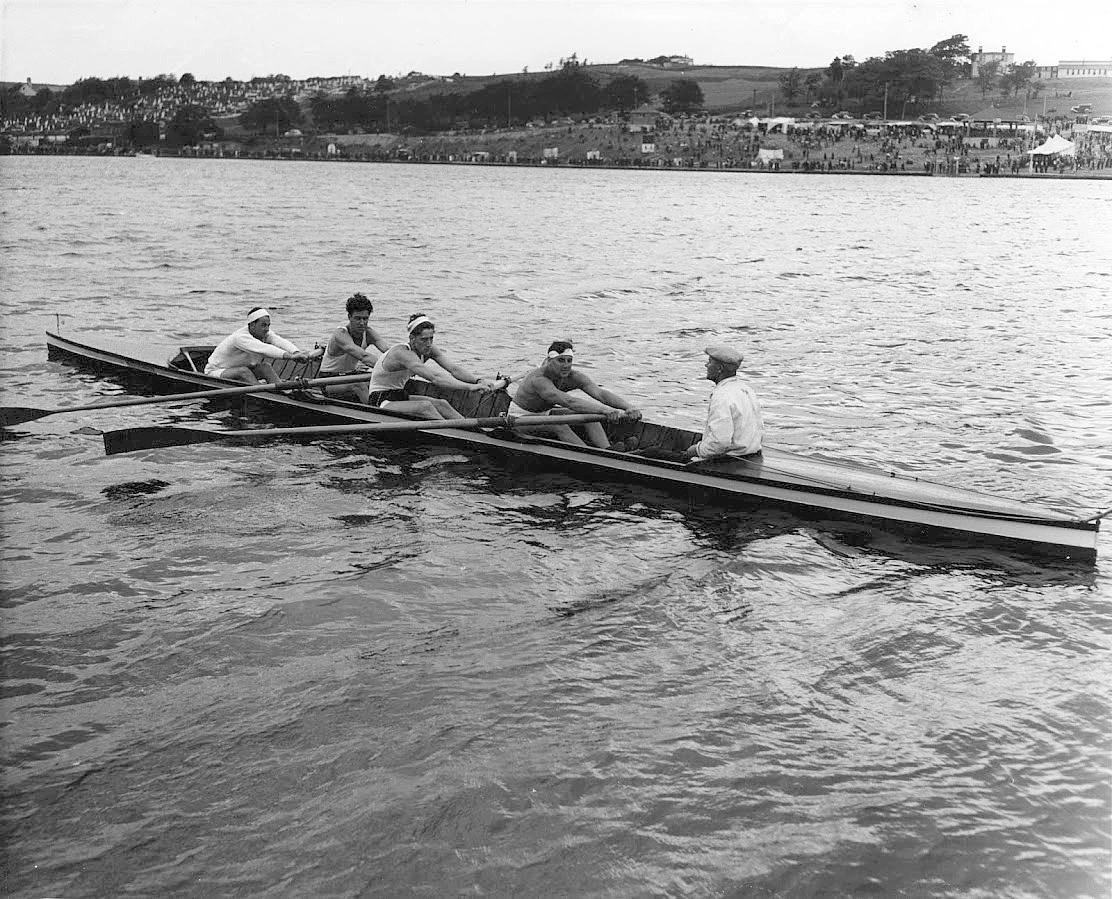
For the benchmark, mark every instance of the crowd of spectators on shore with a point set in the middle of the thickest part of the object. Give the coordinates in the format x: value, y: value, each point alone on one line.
x: 219, y: 98
x: 702, y: 141
x: 877, y: 147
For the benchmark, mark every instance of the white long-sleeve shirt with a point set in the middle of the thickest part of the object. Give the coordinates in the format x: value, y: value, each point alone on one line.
x: 241, y: 348
x: 734, y: 422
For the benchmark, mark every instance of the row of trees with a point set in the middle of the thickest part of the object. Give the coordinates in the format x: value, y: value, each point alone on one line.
x: 1013, y: 79
x: 569, y: 92
x: 907, y: 77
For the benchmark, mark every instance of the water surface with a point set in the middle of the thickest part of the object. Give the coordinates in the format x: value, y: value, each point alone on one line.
x: 354, y: 668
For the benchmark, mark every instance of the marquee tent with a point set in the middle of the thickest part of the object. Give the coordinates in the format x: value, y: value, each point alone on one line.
x: 1055, y: 145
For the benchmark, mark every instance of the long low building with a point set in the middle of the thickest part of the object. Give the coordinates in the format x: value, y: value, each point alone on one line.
x: 1077, y: 68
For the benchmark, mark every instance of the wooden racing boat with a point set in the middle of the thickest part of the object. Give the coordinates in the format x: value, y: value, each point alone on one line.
x: 776, y: 476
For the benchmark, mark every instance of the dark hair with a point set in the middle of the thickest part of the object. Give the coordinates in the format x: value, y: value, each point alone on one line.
x: 358, y: 302
x: 560, y: 346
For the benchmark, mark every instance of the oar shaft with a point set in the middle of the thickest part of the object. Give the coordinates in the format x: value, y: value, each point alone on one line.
x: 511, y: 421
x: 128, y: 440
x: 218, y: 392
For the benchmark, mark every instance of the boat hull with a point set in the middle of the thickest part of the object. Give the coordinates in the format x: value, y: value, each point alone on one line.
x: 774, y: 476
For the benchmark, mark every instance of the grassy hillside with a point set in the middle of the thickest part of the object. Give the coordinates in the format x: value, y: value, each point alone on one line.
x: 725, y: 88
x: 731, y: 89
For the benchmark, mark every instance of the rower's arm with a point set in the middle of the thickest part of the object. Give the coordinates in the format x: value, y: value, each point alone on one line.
x: 608, y: 397
x: 553, y: 396
x: 378, y: 340
x: 438, y: 376
x: 276, y: 348
x: 351, y: 348
x: 457, y: 371
x: 461, y: 373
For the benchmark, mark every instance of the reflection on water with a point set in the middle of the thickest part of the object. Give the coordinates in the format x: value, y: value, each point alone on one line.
x: 349, y: 668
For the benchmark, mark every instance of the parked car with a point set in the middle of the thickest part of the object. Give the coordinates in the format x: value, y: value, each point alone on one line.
x: 1082, y: 108
x: 960, y: 117
x: 841, y: 115
x: 873, y: 117
x: 929, y: 117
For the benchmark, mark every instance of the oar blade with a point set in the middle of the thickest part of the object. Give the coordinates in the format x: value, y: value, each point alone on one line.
x: 128, y: 440
x: 17, y: 415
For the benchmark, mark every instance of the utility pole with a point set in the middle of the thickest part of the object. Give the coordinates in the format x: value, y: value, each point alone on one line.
x: 886, y: 101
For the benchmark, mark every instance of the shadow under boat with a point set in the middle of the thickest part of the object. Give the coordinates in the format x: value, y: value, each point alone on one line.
x: 732, y: 528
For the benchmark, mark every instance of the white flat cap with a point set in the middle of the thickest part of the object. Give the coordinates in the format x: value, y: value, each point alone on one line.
x: 724, y: 354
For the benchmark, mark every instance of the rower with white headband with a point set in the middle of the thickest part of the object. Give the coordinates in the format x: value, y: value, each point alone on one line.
x: 419, y: 358
x: 245, y: 355
x: 547, y: 391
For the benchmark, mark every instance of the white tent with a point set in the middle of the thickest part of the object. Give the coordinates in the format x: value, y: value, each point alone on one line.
x: 767, y: 156
x: 1056, y: 144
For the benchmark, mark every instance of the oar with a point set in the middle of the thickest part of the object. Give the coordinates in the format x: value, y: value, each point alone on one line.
x: 15, y: 415
x: 128, y: 440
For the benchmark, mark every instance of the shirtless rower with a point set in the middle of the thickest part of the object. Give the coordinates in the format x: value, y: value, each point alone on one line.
x: 350, y: 350
x: 545, y: 391
x: 405, y: 360
x: 245, y: 354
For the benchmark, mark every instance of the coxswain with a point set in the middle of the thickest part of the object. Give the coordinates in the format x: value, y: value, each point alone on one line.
x: 547, y: 391
x: 353, y: 348
x: 734, y: 425
x: 245, y: 355
x: 416, y: 359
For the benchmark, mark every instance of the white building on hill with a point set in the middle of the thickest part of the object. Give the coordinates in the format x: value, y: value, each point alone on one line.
x: 980, y: 58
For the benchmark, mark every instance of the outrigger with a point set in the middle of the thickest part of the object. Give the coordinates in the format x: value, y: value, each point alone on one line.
x: 775, y: 476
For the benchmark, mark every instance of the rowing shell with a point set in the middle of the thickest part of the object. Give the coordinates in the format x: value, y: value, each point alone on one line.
x: 776, y: 476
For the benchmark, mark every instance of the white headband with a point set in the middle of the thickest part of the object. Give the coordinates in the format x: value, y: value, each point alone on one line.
x: 552, y: 354
x: 257, y: 314
x: 416, y: 323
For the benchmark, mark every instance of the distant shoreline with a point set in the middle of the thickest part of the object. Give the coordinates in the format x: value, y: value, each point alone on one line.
x: 1081, y: 175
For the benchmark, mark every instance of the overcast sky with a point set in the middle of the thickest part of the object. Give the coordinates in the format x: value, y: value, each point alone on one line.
x: 59, y: 41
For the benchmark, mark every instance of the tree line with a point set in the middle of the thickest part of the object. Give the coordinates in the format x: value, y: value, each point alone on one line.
x: 571, y: 91
x: 911, y: 78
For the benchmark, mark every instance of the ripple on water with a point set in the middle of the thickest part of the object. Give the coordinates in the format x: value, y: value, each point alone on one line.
x: 360, y: 663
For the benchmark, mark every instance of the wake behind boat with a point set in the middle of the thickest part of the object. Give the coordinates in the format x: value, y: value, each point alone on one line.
x: 776, y: 476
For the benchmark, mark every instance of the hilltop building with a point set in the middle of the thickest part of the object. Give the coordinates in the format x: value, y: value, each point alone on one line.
x: 980, y: 58
x: 28, y: 89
